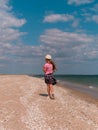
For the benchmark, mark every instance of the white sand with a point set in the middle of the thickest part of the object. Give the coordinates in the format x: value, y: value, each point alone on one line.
x: 24, y: 106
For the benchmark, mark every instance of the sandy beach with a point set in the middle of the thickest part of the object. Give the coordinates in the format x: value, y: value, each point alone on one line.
x: 24, y: 106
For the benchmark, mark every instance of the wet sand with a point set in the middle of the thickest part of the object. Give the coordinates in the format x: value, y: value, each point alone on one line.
x: 89, y: 90
x: 24, y: 106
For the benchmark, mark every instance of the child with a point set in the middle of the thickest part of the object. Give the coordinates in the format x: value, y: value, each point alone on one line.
x: 48, y: 68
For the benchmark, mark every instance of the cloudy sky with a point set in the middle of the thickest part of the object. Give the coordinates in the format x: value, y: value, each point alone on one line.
x: 66, y: 29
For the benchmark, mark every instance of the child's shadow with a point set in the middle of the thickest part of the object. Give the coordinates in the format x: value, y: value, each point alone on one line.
x: 43, y: 94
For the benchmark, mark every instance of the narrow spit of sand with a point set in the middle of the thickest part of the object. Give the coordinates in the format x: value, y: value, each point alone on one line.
x: 24, y: 106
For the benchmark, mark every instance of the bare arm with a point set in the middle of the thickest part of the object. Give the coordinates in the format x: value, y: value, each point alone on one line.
x: 44, y: 70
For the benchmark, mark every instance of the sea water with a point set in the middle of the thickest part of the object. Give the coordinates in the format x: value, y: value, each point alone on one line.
x: 84, y: 83
x: 87, y: 80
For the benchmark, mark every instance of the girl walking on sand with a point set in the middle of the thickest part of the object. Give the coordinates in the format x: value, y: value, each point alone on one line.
x: 48, y: 68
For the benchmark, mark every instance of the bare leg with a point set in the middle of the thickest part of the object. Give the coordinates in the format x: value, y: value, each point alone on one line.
x: 51, y: 89
x: 52, y: 92
x: 48, y: 89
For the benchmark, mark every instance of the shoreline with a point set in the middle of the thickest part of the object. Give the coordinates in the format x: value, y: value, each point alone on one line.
x: 82, y: 95
x: 24, y: 104
x: 90, y: 91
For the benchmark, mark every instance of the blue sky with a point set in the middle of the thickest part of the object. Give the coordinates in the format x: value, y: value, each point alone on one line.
x: 66, y: 29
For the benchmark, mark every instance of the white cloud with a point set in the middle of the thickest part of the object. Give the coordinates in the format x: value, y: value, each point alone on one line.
x: 79, y: 2
x: 4, y: 5
x: 89, y: 14
x: 9, y: 35
x: 9, y: 23
x: 70, y: 46
x: 8, y: 20
x: 90, y: 17
x: 9, y: 32
x: 95, y: 18
x: 75, y: 23
x: 54, y: 36
x: 95, y: 8
x: 58, y: 17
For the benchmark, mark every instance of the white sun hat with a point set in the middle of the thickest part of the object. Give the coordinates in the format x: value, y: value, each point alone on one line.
x: 48, y: 57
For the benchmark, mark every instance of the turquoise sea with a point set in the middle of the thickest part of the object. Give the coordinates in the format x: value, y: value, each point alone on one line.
x: 88, y: 80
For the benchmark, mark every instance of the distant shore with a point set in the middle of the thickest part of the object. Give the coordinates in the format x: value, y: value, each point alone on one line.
x: 24, y: 104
